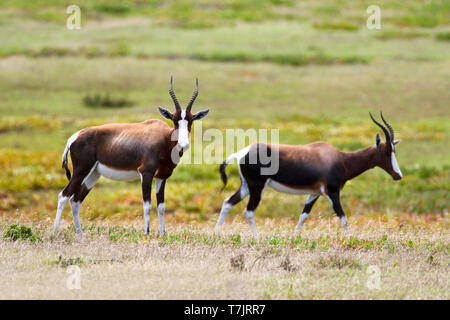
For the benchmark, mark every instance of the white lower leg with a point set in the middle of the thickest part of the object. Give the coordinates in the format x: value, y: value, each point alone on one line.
x: 302, y: 218
x: 147, y: 207
x: 76, y: 215
x: 61, y: 204
x: 343, y: 220
x: 160, y: 210
x: 223, y: 213
x: 250, y: 215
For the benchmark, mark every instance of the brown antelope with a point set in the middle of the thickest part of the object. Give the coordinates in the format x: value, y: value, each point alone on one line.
x: 315, y: 169
x: 128, y: 151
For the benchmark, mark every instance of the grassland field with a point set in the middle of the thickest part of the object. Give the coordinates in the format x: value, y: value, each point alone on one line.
x: 311, y: 69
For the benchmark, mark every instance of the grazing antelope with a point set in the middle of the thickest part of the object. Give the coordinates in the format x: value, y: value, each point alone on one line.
x: 128, y: 151
x: 315, y: 169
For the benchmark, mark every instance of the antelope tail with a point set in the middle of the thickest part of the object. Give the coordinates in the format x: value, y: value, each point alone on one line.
x: 238, y: 155
x: 66, y: 152
x: 223, y: 174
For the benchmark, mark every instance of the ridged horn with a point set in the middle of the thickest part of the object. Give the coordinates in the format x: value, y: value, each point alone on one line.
x: 391, y: 130
x: 194, y: 96
x: 172, y: 94
x: 386, y: 133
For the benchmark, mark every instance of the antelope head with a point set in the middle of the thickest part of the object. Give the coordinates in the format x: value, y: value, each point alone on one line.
x: 182, y: 119
x: 386, y: 150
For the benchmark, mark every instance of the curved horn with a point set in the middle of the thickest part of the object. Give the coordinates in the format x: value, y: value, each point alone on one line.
x: 388, y: 126
x: 172, y: 94
x: 194, y: 96
x: 386, y: 133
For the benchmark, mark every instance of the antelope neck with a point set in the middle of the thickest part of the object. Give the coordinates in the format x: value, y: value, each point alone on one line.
x: 358, y: 162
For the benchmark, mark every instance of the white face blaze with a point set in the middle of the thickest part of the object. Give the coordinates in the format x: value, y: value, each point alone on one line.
x: 395, y: 163
x: 183, y: 132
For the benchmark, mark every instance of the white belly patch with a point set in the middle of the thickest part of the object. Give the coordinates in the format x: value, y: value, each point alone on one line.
x: 119, y: 175
x: 285, y: 189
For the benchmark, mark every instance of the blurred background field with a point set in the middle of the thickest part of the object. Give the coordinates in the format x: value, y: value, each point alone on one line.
x: 309, y: 68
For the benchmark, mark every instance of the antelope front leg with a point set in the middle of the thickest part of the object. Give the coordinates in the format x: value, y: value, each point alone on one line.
x: 146, y: 180
x: 160, y: 185
x: 334, y: 198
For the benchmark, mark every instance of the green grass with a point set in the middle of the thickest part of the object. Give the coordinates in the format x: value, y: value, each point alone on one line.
x: 443, y: 36
x: 410, y: 259
x: 308, y: 68
x: 261, y: 64
x: 31, y: 144
x: 216, y: 13
x: 21, y: 232
x: 400, y: 34
x: 336, y: 26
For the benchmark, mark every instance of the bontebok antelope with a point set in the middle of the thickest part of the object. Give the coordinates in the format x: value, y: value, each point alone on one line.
x: 317, y: 169
x: 128, y: 151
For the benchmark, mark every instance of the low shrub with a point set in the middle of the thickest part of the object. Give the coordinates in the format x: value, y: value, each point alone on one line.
x: 18, y: 231
x: 106, y: 101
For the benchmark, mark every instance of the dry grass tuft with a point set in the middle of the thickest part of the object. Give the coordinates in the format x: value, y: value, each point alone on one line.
x: 237, y: 262
x: 192, y: 263
x: 287, y: 265
x: 338, y: 261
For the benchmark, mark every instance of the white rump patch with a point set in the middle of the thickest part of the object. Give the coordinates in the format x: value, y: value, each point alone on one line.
x: 69, y: 143
x: 244, y: 191
x: 119, y: 175
x: 239, y: 155
x: 395, y: 164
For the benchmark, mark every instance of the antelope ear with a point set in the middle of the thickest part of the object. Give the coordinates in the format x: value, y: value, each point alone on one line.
x: 201, y: 114
x: 377, y: 140
x: 396, y: 142
x: 165, y: 113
